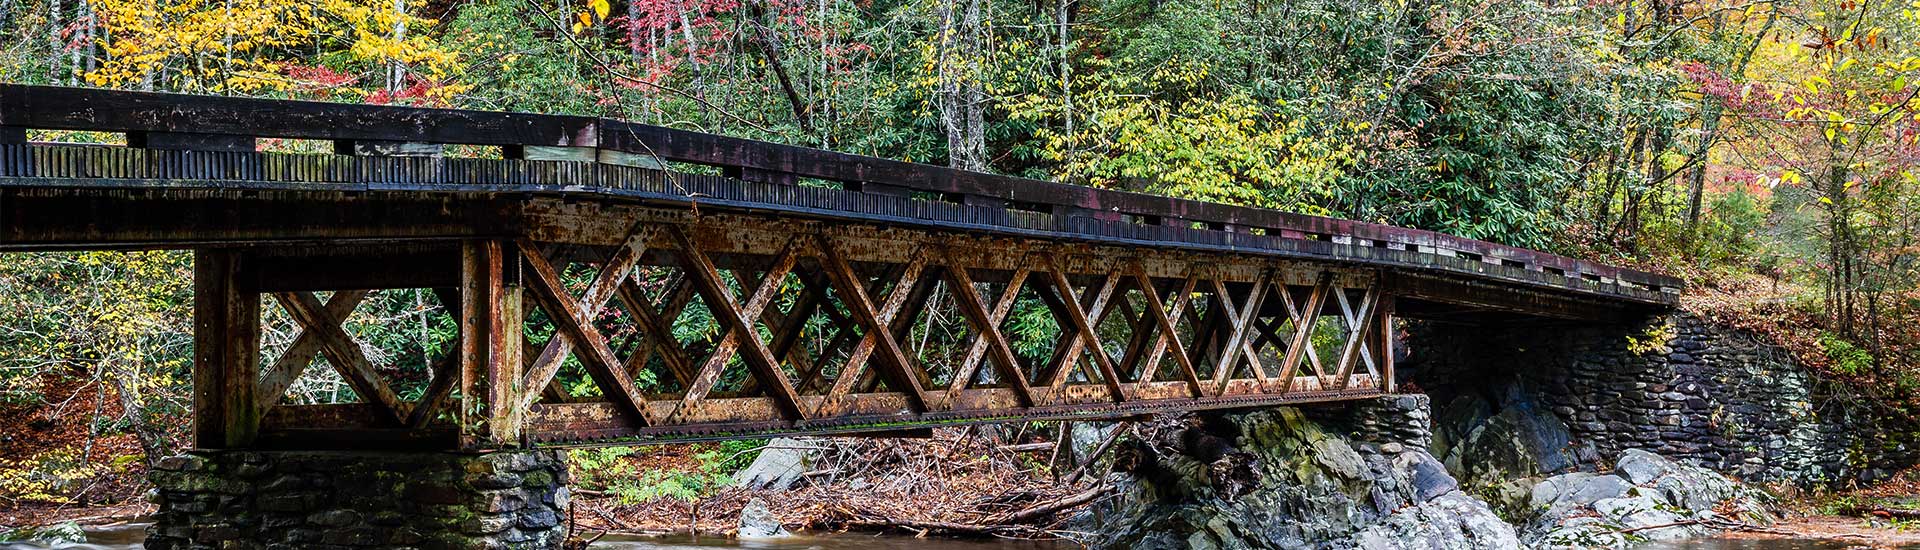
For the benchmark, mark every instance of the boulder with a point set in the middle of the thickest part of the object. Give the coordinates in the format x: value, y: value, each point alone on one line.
x: 1641, y: 467
x: 53, y: 534
x: 1644, y: 496
x: 758, y: 521
x: 1290, y: 481
x: 780, y: 465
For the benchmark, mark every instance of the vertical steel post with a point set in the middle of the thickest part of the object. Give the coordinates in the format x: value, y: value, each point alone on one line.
x: 226, y: 352
x: 491, y: 382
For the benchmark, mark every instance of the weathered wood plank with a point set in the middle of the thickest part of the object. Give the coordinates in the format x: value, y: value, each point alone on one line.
x: 57, y: 108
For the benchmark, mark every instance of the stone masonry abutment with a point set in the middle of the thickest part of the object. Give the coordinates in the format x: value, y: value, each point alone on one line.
x: 1564, y: 397
x: 250, y: 499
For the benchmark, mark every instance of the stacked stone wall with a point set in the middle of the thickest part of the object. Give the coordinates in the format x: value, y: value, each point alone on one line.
x: 336, y: 500
x: 1677, y: 385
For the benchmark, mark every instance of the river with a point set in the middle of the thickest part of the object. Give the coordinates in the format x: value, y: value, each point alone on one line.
x: 128, y: 537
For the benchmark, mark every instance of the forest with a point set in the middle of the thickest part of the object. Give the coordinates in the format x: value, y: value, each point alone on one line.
x: 1767, y: 151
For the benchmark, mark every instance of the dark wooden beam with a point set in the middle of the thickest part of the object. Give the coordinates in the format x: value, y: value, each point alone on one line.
x: 57, y: 108
x: 186, y: 141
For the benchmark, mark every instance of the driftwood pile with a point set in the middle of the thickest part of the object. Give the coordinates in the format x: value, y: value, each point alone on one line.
x: 963, y: 481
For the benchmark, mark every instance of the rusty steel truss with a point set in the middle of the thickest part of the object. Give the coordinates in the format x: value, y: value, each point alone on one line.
x: 843, y: 294
x: 815, y: 323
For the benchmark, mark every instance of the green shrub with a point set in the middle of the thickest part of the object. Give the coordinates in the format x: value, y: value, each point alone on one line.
x: 1848, y: 358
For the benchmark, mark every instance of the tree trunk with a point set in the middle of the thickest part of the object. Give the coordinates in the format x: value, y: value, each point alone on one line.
x: 770, y: 48
x: 396, y: 70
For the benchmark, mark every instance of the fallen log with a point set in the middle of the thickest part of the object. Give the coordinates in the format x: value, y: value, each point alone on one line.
x: 1049, y: 508
x: 1895, y: 513
x: 1098, y: 451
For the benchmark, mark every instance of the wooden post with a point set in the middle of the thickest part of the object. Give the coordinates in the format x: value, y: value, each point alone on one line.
x: 490, y: 364
x: 226, y: 352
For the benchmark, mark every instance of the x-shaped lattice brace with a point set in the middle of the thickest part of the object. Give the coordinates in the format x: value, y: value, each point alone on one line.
x: 1240, y: 322
x: 1168, y: 336
x: 321, y: 335
x: 739, y: 321
x: 1304, y: 318
x: 988, y: 339
x: 877, y: 327
x: 1360, y: 326
x: 1081, y: 313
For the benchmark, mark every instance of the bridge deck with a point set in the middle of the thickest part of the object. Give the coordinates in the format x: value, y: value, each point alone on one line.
x: 783, y: 244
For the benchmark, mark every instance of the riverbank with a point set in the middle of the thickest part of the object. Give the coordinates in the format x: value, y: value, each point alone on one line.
x: 951, y: 483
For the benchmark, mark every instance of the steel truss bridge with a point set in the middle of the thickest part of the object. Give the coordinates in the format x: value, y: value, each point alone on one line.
x: 820, y: 269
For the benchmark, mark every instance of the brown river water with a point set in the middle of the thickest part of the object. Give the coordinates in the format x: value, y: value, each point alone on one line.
x: 128, y: 537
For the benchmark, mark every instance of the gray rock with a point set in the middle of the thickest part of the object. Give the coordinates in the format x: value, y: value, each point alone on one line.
x: 1307, y: 487
x: 1338, y: 458
x: 1595, y: 488
x: 1577, y: 489
x: 1641, y: 467
x: 1430, y: 479
x: 54, y: 534
x: 1087, y: 437
x: 779, y: 466
x: 758, y: 521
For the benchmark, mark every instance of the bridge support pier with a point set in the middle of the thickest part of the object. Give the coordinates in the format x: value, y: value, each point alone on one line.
x: 354, y: 499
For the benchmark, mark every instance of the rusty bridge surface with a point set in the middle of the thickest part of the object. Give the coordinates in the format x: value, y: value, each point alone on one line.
x: 823, y: 272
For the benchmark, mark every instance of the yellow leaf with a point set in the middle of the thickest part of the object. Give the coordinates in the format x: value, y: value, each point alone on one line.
x: 600, y: 8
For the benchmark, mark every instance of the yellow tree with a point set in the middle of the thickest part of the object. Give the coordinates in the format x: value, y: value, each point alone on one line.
x: 348, y: 47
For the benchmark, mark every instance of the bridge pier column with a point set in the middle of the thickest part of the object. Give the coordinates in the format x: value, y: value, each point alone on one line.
x: 355, y: 499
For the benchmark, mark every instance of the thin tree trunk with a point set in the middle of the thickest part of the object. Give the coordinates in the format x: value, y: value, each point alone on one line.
x: 397, y: 71
x: 1062, y: 15
x: 770, y: 48
x: 53, y: 39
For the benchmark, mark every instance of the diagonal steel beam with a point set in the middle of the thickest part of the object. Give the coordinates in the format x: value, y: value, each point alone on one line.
x: 606, y: 369
x: 1356, y: 339
x: 1240, y: 321
x: 344, y: 354
x: 540, y: 373
x: 1169, y: 336
x: 877, y: 325
x: 1304, y: 320
x: 1083, y: 326
x: 286, y: 370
